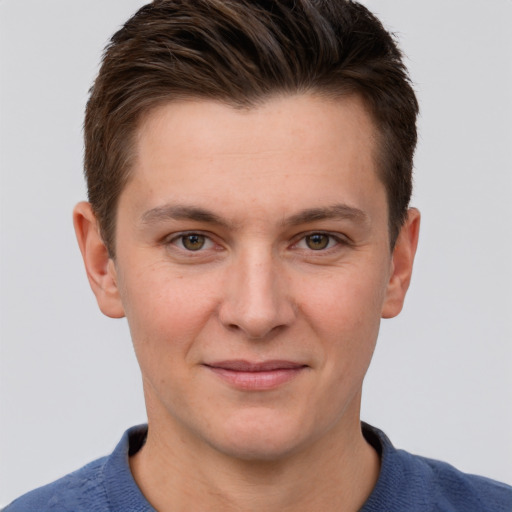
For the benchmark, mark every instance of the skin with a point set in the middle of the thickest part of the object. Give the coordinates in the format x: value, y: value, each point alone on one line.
x: 289, y: 218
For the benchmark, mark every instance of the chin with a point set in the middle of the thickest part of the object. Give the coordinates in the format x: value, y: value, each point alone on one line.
x: 260, y: 438
x: 254, y: 450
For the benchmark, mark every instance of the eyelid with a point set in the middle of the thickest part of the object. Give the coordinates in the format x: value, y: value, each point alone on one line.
x: 175, y: 237
x: 339, y: 238
x: 171, y: 239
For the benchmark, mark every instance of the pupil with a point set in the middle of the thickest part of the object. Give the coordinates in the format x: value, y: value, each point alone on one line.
x: 193, y: 242
x: 317, y: 241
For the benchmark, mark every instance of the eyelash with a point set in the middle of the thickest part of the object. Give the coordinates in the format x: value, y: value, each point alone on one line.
x: 178, y: 241
x: 333, y: 241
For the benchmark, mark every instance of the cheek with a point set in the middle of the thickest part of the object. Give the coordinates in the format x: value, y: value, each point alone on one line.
x: 165, y: 309
x: 344, y: 313
x: 347, y: 300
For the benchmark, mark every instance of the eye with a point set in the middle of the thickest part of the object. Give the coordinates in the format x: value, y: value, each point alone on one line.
x: 318, y: 242
x: 192, y: 242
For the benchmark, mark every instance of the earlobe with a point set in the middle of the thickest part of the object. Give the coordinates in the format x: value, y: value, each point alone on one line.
x: 99, y: 266
x: 402, y: 263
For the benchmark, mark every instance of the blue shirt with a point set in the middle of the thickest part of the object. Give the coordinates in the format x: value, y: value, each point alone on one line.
x: 407, y: 483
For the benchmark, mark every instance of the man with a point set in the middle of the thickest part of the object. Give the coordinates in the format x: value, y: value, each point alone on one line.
x: 249, y: 174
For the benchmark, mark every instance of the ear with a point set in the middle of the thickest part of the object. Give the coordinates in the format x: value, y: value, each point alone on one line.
x: 99, y: 266
x: 401, y: 265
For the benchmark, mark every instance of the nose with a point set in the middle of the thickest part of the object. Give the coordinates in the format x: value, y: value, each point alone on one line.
x: 256, y: 296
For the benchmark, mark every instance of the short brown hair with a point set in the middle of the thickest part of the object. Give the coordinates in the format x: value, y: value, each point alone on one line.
x: 241, y: 52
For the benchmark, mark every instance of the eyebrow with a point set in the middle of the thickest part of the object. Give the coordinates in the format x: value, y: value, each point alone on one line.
x: 181, y: 212
x: 336, y: 212
x: 195, y: 213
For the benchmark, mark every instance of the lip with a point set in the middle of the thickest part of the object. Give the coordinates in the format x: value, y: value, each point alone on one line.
x: 256, y: 376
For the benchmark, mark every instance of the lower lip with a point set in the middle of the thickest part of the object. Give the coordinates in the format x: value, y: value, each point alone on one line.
x: 257, y: 381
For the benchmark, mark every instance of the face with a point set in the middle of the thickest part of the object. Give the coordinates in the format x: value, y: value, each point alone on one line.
x: 253, y: 266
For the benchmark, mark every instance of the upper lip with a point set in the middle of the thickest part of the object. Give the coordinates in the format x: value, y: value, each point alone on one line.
x: 239, y: 365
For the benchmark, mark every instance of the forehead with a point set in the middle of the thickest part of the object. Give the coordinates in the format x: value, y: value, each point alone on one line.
x: 289, y: 152
x: 295, y: 115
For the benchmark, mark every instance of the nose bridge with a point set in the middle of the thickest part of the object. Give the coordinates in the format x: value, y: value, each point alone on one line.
x: 257, y: 300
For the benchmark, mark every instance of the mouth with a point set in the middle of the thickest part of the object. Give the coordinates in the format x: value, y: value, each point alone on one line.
x: 252, y: 376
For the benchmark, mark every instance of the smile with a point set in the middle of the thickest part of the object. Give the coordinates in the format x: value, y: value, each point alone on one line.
x: 250, y: 376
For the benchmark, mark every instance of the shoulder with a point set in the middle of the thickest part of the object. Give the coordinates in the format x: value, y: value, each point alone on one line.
x: 453, y: 490
x: 411, y: 482
x: 82, y: 490
x: 102, y: 485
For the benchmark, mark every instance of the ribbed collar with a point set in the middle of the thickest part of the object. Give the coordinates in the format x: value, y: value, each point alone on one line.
x: 124, y: 494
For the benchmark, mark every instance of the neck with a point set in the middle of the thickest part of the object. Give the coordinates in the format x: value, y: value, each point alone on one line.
x: 337, y: 472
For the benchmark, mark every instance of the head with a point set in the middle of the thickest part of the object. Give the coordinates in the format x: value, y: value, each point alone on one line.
x: 249, y: 166
x: 242, y: 53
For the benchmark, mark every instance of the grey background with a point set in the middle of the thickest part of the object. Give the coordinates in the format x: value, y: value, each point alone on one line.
x: 441, y: 380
